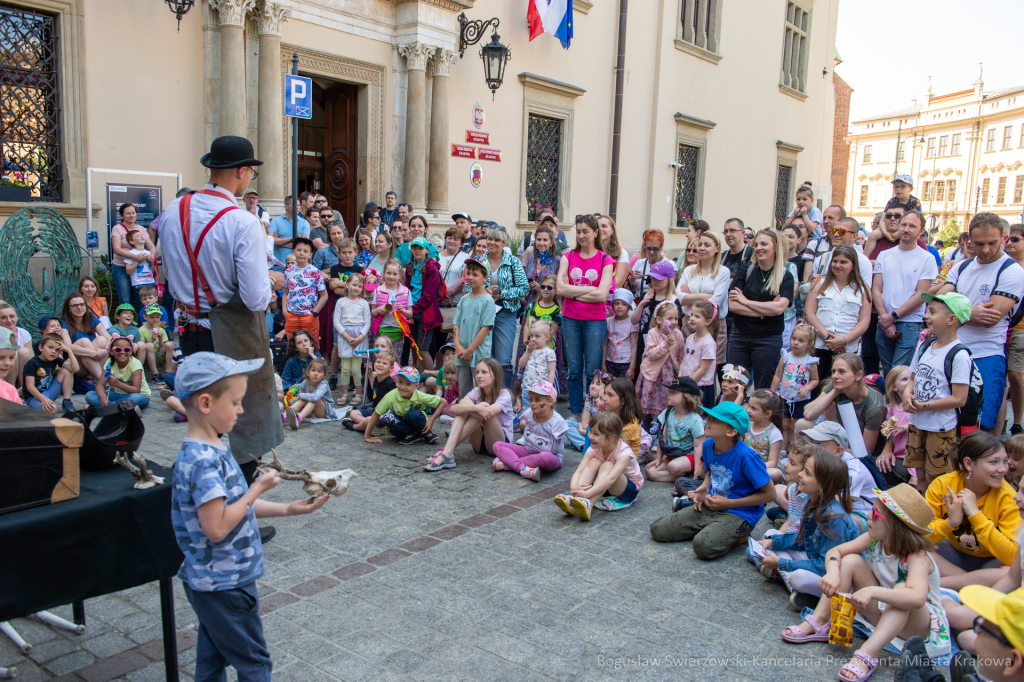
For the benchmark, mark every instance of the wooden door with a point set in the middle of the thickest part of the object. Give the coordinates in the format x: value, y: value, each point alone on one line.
x: 340, y: 106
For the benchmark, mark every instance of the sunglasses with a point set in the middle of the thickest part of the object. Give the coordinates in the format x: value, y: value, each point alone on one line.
x: 1016, y: 239
x: 979, y: 627
x: 893, y: 216
x: 835, y: 231
x: 120, y: 349
x: 693, y: 250
x: 546, y: 287
x: 652, y: 249
x: 584, y: 218
x: 875, y: 514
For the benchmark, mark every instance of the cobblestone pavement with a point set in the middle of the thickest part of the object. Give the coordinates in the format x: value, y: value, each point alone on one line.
x: 465, y: 574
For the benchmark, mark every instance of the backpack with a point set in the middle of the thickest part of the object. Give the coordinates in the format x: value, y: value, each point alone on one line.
x: 970, y: 413
x: 1015, y: 315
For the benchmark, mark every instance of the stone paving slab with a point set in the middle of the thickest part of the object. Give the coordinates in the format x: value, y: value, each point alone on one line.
x: 464, y: 574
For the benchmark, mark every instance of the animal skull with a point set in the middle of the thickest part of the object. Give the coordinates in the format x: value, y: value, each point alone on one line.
x: 314, y: 483
x: 143, y: 478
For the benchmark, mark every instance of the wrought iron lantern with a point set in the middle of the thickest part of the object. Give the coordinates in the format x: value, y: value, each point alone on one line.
x: 493, y: 54
x: 180, y: 8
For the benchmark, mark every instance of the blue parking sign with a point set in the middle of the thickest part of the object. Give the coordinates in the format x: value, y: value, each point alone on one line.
x: 298, y: 96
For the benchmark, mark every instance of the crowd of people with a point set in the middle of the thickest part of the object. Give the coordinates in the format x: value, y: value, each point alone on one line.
x: 852, y: 384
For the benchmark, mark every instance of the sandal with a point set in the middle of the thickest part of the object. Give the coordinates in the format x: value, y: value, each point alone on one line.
x: 851, y: 667
x: 356, y: 400
x: 440, y: 461
x: 820, y: 633
x: 562, y: 501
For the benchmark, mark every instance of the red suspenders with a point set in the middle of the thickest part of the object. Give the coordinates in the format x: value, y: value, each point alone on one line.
x: 198, y: 279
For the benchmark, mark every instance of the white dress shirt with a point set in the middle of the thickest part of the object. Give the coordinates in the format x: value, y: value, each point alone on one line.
x: 232, y: 257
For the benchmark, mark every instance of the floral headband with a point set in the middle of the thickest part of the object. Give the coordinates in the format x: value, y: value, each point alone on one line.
x: 735, y: 373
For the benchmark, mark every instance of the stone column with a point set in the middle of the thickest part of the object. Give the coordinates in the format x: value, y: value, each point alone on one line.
x: 232, y: 64
x: 271, y: 107
x: 416, y: 55
x: 437, y: 188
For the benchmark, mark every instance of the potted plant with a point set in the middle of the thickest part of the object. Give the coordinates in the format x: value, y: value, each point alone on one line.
x: 14, y: 187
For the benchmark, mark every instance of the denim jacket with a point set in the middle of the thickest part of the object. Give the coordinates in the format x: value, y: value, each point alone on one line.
x: 815, y: 542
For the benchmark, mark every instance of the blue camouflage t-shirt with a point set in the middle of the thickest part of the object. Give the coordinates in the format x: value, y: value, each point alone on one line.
x: 203, y: 472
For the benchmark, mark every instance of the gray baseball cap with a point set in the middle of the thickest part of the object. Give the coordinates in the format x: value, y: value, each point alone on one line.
x: 200, y: 370
x: 824, y: 431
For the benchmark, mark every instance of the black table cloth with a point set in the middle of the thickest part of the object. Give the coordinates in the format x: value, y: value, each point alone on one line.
x: 112, y: 537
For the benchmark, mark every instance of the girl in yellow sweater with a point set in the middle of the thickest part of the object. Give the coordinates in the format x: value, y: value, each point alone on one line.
x: 975, y: 513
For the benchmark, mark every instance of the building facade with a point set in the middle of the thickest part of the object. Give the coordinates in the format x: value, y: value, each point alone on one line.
x: 965, y: 151
x: 840, y: 137
x: 724, y: 110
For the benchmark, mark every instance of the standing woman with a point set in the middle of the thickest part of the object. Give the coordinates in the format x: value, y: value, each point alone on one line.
x: 654, y: 242
x: 759, y: 305
x: 370, y: 220
x: 585, y: 277
x: 417, y: 228
x: 21, y: 337
x: 385, y: 242
x: 839, y: 309
x: 122, y: 249
x: 688, y: 256
x: 364, y: 247
x: 610, y: 244
x: 89, y: 339
x: 89, y: 288
x: 507, y: 285
x: 541, y: 259
x: 324, y: 260
x: 707, y: 281
x: 453, y: 266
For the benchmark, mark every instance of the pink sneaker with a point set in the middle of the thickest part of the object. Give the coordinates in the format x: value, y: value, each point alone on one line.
x: 532, y: 473
x: 499, y: 465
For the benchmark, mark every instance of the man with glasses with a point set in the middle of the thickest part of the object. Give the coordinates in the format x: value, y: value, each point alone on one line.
x: 320, y: 203
x: 843, y: 232
x: 999, y: 633
x: 736, y: 258
x: 818, y: 246
x: 252, y: 205
x: 654, y: 242
x: 320, y: 234
x: 282, y: 229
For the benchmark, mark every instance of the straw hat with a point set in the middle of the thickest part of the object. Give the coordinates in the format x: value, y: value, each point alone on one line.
x: 906, y: 503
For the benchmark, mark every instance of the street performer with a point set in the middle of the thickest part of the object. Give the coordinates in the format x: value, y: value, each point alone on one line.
x: 216, y: 268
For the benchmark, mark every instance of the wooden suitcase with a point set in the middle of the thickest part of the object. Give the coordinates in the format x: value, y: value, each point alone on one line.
x: 38, y: 457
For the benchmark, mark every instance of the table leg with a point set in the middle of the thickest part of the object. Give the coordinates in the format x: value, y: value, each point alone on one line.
x: 170, y: 632
x: 78, y: 612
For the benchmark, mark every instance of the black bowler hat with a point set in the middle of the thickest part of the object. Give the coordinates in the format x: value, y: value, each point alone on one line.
x: 230, y: 151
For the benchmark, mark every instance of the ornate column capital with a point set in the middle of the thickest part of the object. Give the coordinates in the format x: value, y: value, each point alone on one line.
x: 272, y: 15
x: 416, y: 55
x: 443, y: 61
x: 232, y: 12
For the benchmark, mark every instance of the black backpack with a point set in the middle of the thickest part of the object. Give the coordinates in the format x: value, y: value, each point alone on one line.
x: 970, y: 413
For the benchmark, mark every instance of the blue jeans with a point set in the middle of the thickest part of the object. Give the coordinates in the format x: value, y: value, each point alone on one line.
x: 123, y: 284
x: 138, y: 399
x: 993, y: 373
x: 410, y: 425
x: 230, y: 633
x: 503, y: 339
x: 583, y: 343
x: 760, y: 356
x: 169, y: 379
x: 901, y: 351
x: 574, y: 438
x: 53, y: 391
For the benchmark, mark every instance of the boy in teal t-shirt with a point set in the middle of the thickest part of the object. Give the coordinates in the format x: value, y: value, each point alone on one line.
x: 474, y: 318
x: 402, y: 411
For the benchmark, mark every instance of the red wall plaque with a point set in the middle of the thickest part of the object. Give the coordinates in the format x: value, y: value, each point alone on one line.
x: 478, y: 137
x: 464, y: 151
x: 489, y: 154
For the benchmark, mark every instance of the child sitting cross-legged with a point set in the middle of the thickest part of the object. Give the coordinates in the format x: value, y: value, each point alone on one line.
x: 577, y: 433
x: 797, y: 557
x: 890, y: 567
x: 402, y: 411
x: 154, y: 348
x: 484, y: 416
x: 543, y: 431
x: 49, y: 375
x: 313, y: 398
x: 382, y: 384
x: 681, y: 433
x: 213, y: 514
x: 732, y: 497
x: 608, y: 477
x: 123, y: 379
x: 302, y: 347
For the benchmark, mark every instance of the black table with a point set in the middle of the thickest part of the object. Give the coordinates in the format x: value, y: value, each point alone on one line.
x: 112, y: 537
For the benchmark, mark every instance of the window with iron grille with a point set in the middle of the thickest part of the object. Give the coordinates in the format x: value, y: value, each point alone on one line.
x: 943, y: 145
x: 985, y: 184
x: 1001, y: 191
x: 990, y: 143
x: 940, y: 190
x: 1018, y: 189
x: 782, y: 192
x: 794, y: 55
x: 543, y: 153
x: 700, y: 23
x: 955, y: 149
x: 931, y: 147
x: 30, y: 102
x: 686, y: 183
x: 951, y: 191
x: 863, y: 196
x: 868, y: 153
x: 1007, y: 137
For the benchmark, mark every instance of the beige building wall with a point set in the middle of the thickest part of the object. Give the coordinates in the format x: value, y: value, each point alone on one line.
x: 147, y: 97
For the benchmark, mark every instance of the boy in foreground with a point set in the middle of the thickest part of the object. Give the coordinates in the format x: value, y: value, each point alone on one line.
x: 213, y: 513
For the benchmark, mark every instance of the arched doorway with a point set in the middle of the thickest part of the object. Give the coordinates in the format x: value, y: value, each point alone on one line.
x: 328, y: 147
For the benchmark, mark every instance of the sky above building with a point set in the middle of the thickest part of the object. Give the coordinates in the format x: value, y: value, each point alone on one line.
x: 890, y: 49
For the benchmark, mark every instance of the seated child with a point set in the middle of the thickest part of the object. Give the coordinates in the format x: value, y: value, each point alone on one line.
x: 732, y: 497
x: 402, y: 411
x: 798, y: 557
x: 154, y: 348
x: 125, y: 318
x: 543, y: 431
x: 48, y: 375
x: 148, y: 297
x: 381, y: 385
x: 735, y: 379
x: 1000, y: 638
x: 608, y: 477
x: 620, y: 398
x: 894, y: 428
x: 790, y: 501
x: 832, y: 437
x: 314, y: 396
x: 484, y: 417
x: 1014, y: 458
x: 8, y: 353
x: 434, y: 379
x: 765, y: 435
x: 450, y: 387
x: 301, y: 348
x: 576, y: 436
x: 888, y: 566
x: 213, y: 514
x: 680, y: 435
x: 123, y: 378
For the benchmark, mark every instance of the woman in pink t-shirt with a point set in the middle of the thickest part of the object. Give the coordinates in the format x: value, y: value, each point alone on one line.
x: 584, y: 280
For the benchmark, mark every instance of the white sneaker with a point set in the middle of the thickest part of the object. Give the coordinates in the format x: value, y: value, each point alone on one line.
x: 445, y: 419
x: 521, y: 441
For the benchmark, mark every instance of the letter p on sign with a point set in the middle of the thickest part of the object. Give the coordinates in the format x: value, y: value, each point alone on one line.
x: 298, y: 96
